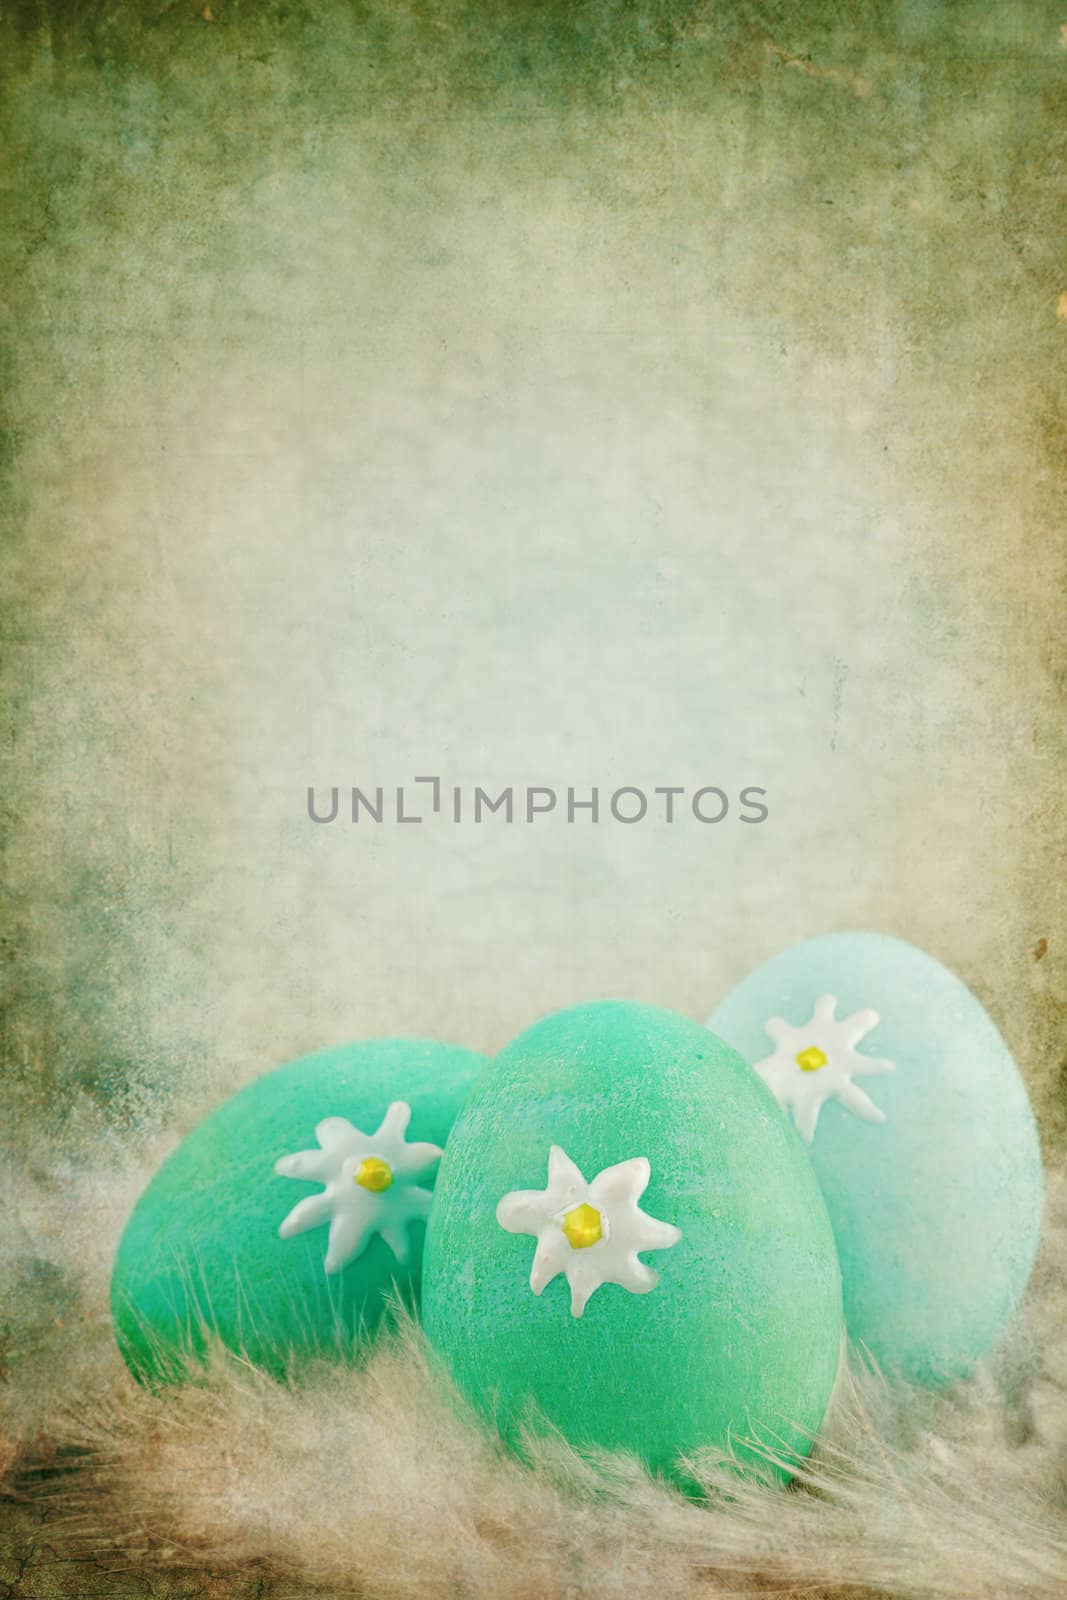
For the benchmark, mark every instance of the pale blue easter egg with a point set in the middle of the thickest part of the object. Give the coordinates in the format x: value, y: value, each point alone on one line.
x: 921, y: 1135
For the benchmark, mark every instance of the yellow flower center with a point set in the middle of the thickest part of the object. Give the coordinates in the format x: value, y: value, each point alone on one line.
x: 582, y: 1227
x: 811, y: 1059
x: 374, y: 1175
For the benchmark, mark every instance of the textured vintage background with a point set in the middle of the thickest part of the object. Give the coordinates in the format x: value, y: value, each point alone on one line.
x: 563, y: 393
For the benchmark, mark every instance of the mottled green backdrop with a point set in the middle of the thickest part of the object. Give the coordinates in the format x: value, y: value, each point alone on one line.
x: 560, y: 394
x: 563, y: 393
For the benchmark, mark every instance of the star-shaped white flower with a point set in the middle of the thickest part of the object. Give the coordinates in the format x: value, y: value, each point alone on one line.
x: 369, y: 1186
x: 591, y: 1232
x: 818, y: 1061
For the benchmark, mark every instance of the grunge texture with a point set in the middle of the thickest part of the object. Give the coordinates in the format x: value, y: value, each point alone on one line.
x: 556, y: 394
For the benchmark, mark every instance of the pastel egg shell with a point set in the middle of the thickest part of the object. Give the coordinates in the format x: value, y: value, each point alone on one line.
x: 201, y: 1252
x: 936, y: 1210
x: 740, y: 1338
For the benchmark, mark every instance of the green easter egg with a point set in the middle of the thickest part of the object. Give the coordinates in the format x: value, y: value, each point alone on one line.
x: 280, y: 1224
x: 628, y: 1242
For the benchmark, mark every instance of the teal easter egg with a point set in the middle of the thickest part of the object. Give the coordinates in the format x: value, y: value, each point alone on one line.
x: 921, y: 1135
x: 281, y: 1223
x: 628, y: 1243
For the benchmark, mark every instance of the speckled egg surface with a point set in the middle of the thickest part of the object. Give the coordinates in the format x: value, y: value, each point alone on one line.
x: 628, y: 1241
x: 282, y: 1221
x: 921, y: 1135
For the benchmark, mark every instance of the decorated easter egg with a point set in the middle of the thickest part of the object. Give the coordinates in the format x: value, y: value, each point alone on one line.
x: 628, y: 1243
x: 280, y: 1225
x: 920, y: 1133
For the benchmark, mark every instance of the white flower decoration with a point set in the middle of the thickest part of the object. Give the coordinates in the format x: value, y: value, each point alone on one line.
x: 591, y: 1232
x: 369, y: 1188
x: 817, y: 1062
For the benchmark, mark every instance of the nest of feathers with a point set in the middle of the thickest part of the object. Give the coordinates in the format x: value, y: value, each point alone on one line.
x: 372, y: 1479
